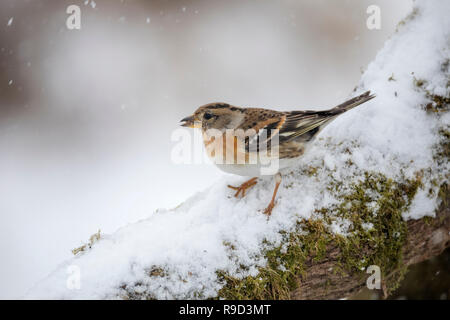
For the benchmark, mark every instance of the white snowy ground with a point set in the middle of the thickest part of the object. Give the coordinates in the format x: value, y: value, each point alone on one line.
x: 391, y: 134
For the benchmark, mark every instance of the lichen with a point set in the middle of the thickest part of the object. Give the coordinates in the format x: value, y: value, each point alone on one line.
x: 442, y: 150
x: 376, y: 201
x: 409, y: 17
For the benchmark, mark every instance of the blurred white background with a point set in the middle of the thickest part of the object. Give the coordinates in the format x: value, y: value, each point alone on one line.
x: 86, y: 115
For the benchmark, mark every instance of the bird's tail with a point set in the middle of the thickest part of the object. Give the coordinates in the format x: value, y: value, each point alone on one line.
x: 352, y: 103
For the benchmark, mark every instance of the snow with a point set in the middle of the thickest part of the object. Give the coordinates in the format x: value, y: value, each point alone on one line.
x: 92, y: 3
x: 367, y: 226
x: 391, y: 134
x: 10, y: 21
x: 340, y: 227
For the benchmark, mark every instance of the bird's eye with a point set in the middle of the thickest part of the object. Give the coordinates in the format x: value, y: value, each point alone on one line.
x: 207, y: 116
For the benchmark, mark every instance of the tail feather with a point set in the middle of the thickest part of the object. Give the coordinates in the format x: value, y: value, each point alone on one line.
x: 307, y: 124
x: 352, y: 103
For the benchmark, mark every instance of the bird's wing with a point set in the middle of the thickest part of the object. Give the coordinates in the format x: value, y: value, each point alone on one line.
x: 300, y: 126
x: 306, y: 124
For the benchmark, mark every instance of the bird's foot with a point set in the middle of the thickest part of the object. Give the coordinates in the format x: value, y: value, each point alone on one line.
x: 243, y: 187
x: 268, y: 210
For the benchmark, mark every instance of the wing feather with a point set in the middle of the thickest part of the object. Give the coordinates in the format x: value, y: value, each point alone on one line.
x: 298, y: 126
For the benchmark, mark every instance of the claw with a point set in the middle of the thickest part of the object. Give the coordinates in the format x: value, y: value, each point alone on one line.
x: 268, y: 210
x: 243, y: 187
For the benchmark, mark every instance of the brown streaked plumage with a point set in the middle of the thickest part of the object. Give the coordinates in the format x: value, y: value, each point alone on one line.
x: 281, y: 135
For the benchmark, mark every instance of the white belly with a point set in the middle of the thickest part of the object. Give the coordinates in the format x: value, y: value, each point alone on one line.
x: 246, y: 170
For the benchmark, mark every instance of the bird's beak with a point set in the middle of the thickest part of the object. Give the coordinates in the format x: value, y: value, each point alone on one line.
x: 189, y: 122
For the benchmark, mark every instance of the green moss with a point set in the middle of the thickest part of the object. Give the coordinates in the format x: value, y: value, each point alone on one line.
x: 311, y: 171
x: 379, y: 202
x: 410, y: 17
x: 375, y: 201
x: 443, y: 194
x: 284, y: 265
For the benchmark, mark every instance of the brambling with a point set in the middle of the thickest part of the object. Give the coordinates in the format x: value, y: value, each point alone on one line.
x: 243, y: 141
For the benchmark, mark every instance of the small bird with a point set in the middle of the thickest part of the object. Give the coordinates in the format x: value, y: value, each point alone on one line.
x: 243, y: 141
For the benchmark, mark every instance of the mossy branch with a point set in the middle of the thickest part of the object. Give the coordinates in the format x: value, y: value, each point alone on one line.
x: 318, y: 264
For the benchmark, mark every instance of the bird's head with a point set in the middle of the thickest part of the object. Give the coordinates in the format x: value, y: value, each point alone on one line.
x: 220, y: 116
